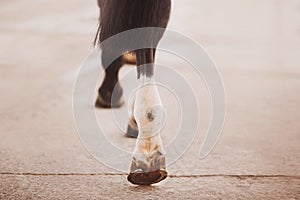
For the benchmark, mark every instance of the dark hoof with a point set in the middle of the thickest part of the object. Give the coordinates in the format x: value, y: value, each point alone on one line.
x: 101, y: 103
x: 147, y: 178
x: 132, y: 129
x: 130, y: 58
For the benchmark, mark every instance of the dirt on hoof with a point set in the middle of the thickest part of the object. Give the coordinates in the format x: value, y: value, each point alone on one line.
x: 147, y: 171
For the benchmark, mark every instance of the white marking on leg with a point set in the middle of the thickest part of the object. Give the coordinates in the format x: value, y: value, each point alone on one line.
x: 149, y: 115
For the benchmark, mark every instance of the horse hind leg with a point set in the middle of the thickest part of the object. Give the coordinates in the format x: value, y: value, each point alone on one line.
x: 148, y: 164
x: 132, y: 128
x: 110, y: 92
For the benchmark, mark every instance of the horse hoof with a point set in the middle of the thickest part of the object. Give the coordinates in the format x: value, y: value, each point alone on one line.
x: 130, y: 58
x: 147, y: 178
x: 132, y: 129
x: 147, y: 169
x: 132, y: 132
x: 101, y: 103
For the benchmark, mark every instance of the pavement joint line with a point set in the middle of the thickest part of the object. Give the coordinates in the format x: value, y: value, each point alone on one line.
x: 244, y: 176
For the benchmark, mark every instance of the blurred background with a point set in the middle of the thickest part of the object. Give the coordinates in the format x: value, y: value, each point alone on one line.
x: 256, y: 46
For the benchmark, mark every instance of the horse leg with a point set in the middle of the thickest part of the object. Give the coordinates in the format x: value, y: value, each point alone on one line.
x: 110, y: 92
x: 148, y: 165
x: 132, y: 128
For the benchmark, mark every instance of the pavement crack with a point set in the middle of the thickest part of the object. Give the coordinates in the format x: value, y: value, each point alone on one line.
x: 61, y: 174
x: 243, y: 176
